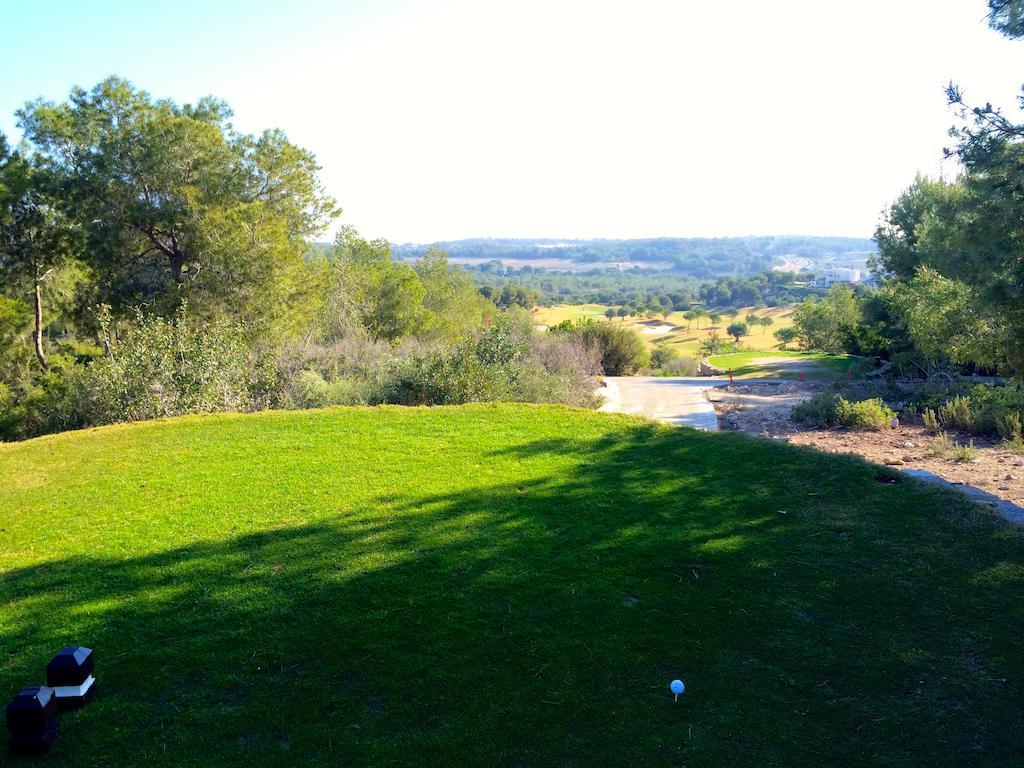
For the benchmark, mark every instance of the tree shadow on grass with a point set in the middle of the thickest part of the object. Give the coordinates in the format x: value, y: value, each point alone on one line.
x: 817, y: 615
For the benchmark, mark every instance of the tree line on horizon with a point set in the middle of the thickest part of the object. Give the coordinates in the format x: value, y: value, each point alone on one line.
x: 704, y: 258
x: 643, y: 292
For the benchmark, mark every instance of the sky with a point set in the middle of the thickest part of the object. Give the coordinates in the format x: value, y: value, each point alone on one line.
x: 444, y: 119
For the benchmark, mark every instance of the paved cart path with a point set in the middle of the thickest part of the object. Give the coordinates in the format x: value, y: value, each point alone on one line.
x: 676, y: 400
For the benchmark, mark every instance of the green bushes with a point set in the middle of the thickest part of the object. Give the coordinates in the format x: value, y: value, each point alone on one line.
x: 167, y: 368
x: 507, y: 361
x: 663, y: 356
x: 827, y: 410
x: 958, y: 414
x: 500, y: 363
x: 667, y: 361
x: 945, y: 448
x: 308, y: 389
x: 682, y: 366
x: 557, y: 370
x: 155, y: 368
x: 941, y: 446
x: 965, y: 453
x: 1008, y: 425
x: 979, y: 409
x: 818, y: 411
x: 871, y: 414
x: 43, y: 402
x: 621, y: 350
x: 478, y: 369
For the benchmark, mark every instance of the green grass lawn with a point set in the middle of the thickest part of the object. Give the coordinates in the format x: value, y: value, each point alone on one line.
x: 504, y: 586
x: 817, y: 365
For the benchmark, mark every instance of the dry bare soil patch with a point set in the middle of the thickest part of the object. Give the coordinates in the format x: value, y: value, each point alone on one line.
x: 764, y: 410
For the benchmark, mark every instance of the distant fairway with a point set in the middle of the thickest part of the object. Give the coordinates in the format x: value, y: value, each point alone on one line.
x: 684, y: 336
x: 789, y: 365
x: 573, y: 312
x: 503, y: 586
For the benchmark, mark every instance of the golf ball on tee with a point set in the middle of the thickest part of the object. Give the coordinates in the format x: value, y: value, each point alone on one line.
x: 677, y: 687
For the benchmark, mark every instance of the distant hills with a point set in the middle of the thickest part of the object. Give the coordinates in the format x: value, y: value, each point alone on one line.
x: 697, y: 256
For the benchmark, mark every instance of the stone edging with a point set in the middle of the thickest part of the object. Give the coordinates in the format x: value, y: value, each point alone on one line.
x: 1006, y: 509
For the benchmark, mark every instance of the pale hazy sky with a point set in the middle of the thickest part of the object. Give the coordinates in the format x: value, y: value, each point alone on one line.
x: 447, y: 119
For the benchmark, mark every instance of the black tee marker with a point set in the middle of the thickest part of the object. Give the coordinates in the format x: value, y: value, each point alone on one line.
x: 70, y: 676
x: 32, y: 721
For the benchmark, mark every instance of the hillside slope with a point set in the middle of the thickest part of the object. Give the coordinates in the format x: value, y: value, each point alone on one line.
x: 503, y: 585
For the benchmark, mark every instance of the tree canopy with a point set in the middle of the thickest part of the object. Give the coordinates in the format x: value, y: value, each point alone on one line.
x: 1007, y: 16
x: 955, y: 247
x: 174, y: 204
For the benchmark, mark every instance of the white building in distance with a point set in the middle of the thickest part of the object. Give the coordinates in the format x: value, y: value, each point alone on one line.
x: 830, y: 277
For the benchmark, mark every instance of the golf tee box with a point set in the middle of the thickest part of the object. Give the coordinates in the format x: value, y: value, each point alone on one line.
x: 70, y: 676
x: 32, y: 721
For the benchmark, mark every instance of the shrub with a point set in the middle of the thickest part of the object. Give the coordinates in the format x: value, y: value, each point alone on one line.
x: 663, y: 356
x: 941, y: 446
x: 501, y: 363
x: 309, y: 389
x: 368, y: 365
x: 980, y: 409
x: 621, y: 349
x: 931, y: 421
x: 669, y: 362
x: 508, y: 361
x: 167, y: 368
x: 43, y: 402
x: 683, y: 366
x: 1010, y: 429
x: 478, y: 369
x: 945, y: 448
x: 965, y: 452
x: 819, y: 411
x: 1008, y: 425
x: 871, y: 414
x: 827, y: 410
x: 991, y: 405
x: 957, y: 414
x: 558, y: 370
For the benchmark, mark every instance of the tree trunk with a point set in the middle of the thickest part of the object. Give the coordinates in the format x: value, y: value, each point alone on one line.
x: 38, y: 335
x: 177, y: 260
